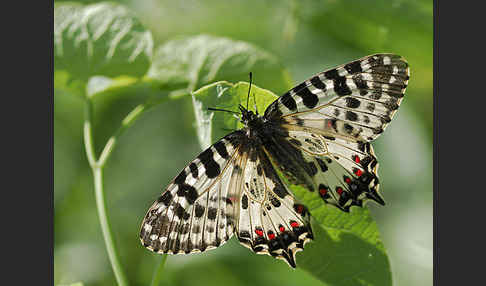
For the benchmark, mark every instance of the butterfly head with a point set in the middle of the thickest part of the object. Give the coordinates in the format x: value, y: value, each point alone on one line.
x: 247, y: 116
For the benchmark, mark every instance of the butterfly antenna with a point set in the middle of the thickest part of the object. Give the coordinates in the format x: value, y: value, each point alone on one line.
x: 254, y: 102
x: 224, y: 110
x: 248, y: 97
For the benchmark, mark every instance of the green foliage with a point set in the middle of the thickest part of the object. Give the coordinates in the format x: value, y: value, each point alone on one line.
x: 103, y: 39
x: 191, y: 62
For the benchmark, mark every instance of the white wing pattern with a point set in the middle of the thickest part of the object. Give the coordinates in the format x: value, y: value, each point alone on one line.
x: 317, y: 134
x: 197, y: 210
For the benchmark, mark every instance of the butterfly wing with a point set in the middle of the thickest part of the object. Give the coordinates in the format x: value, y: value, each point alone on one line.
x: 343, y: 173
x: 355, y: 101
x: 325, y: 124
x: 270, y: 220
x: 197, y: 210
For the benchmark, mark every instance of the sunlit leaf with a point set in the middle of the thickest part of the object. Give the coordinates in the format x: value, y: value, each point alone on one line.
x: 191, y: 62
x: 100, y: 39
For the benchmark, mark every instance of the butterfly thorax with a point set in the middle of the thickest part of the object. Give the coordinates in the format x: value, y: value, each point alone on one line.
x: 255, y: 124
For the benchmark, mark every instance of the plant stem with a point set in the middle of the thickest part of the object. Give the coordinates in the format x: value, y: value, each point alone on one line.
x: 158, y: 271
x: 106, y: 228
x: 97, y: 170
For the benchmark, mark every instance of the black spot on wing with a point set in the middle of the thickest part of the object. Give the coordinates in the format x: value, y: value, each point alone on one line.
x: 353, y: 67
x: 181, y: 178
x: 244, y: 202
x: 228, y: 201
x: 309, y: 99
x: 212, y: 213
x: 275, y: 202
x: 212, y: 168
x: 352, y: 102
x: 178, y: 210
x: 360, y: 82
x: 348, y: 128
x: 221, y: 149
x: 316, y: 81
x: 166, y: 198
x: 288, y: 101
x: 340, y: 86
x: 186, y: 216
x: 194, y: 170
x: 187, y: 191
x: 352, y: 116
x: 199, y: 211
x: 332, y: 74
x: 371, y: 107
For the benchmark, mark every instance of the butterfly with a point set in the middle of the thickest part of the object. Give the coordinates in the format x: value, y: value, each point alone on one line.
x: 316, y: 135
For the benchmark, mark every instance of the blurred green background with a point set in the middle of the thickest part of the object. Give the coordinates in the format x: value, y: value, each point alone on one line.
x: 306, y: 37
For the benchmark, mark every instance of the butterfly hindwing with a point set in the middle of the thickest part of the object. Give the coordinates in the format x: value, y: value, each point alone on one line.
x: 196, y: 212
x: 271, y: 221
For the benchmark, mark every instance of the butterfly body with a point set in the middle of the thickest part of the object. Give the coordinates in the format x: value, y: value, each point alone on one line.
x: 317, y: 135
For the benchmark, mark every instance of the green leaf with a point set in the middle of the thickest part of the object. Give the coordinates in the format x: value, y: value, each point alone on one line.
x: 103, y: 39
x: 212, y: 125
x: 347, y: 249
x: 188, y: 63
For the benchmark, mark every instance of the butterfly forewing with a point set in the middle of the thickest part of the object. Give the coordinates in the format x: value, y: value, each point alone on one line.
x: 196, y: 212
x: 356, y: 100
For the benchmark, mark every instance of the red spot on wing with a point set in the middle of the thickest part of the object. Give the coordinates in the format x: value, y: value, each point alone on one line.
x: 339, y: 190
x: 271, y: 235
x: 358, y: 172
x: 281, y: 228
x: 323, y: 191
x: 356, y: 159
x: 347, y: 180
x: 300, y: 209
x: 259, y: 232
x: 294, y: 224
